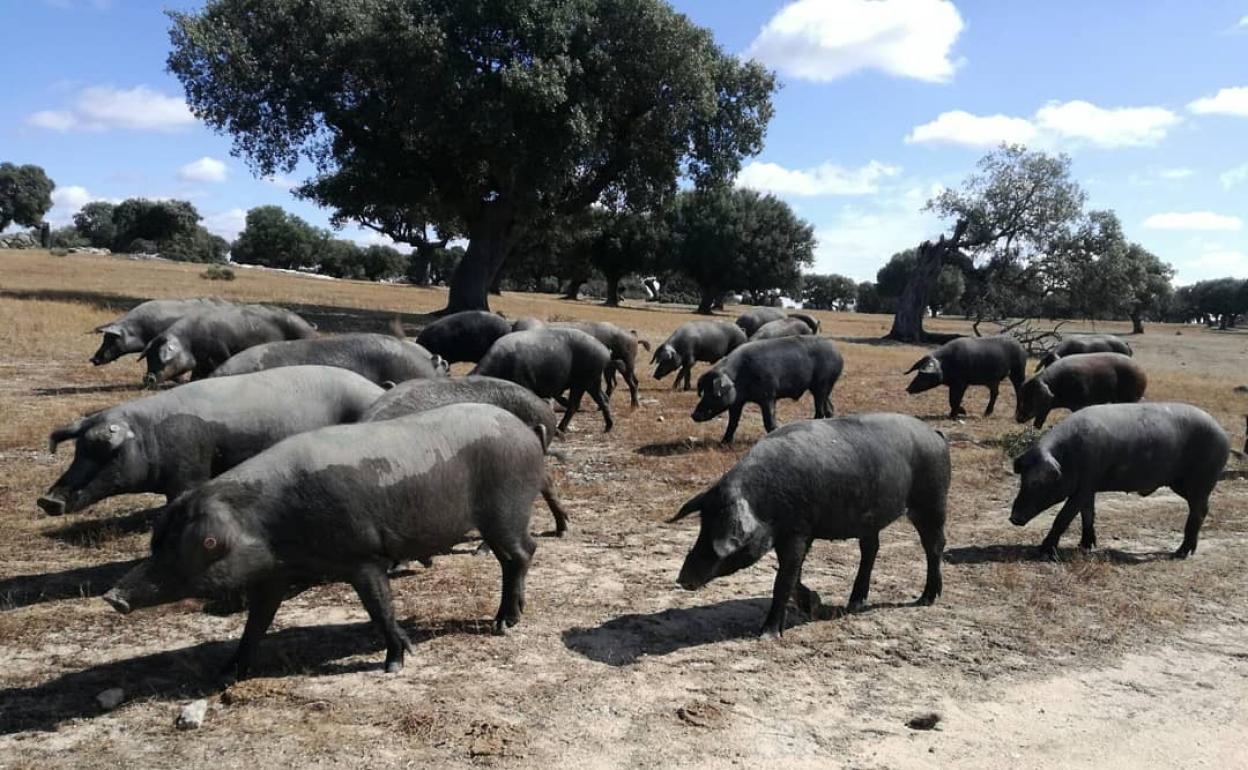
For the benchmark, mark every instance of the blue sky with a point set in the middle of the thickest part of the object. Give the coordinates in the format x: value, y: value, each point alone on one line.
x: 883, y: 102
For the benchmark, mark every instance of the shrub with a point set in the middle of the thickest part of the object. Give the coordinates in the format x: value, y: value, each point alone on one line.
x: 217, y: 273
x: 1016, y: 442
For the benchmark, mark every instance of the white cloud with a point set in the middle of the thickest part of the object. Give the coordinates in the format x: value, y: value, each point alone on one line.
x: 53, y: 120
x: 824, y: 179
x: 227, y: 224
x: 823, y: 40
x: 1216, y: 264
x: 66, y: 201
x: 205, y: 169
x: 1234, y: 176
x: 1118, y: 127
x: 1176, y: 173
x: 280, y: 180
x: 1243, y: 23
x: 861, y: 237
x: 1072, y: 122
x: 959, y: 127
x: 101, y: 108
x: 1228, y: 101
x: 1193, y: 220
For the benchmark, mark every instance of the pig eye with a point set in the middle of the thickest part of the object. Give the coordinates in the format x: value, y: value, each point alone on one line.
x: 210, y: 543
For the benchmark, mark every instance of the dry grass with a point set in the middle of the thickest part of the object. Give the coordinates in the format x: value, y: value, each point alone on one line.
x: 609, y: 655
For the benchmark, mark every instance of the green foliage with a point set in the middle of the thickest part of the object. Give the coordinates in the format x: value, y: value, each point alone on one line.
x: 158, y: 221
x: 828, y: 292
x: 1219, y: 301
x: 626, y: 243
x: 382, y: 263
x: 274, y: 238
x: 141, y: 246
x: 25, y: 195
x: 195, y: 245
x: 1016, y: 442
x: 94, y: 222
x: 869, y: 300
x: 68, y: 238
x: 478, y: 117
x: 891, y: 281
x: 725, y: 239
x: 218, y: 273
x: 443, y: 263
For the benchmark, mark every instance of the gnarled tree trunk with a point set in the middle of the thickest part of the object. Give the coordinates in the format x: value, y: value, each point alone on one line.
x: 613, y: 290
x: 912, y: 306
x: 489, y: 241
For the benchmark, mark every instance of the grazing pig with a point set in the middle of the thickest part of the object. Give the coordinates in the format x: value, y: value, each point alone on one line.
x: 464, y: 336
x: 549, y: 361
x: 623, y: 346
x: 695, y: 341
x: 201, y: 342
x: 785, y: 327
x: 763, y: 371
x: 416, y: 396
x: 969, y: 361
x: 830, y: 480
x: 1081, y: 380
x: 1121, y: 448
x: 178, y: 439
x: 752, y: 320
x: 1084, y: 343
x: 132, y: 332
x: 345, y: 503
x: 379, y: 358
x: 811, y: 321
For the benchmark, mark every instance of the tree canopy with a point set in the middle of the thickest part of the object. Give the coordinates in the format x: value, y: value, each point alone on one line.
x: 274, y: 238
x: 626, y: 243
x: 473, y: 116
x: 828, y: 292
x: 25, y: 195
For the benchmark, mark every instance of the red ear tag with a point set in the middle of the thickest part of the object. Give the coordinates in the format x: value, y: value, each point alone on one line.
x: 210, y: 543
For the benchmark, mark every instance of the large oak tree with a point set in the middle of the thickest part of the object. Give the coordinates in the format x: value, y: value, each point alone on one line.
x: 473, y: 115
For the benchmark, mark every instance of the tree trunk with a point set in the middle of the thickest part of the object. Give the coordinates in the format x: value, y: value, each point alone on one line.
x: 573, y: 290
x: 613, y: 291
x: 418, y: 272
x: 707, y: 303
x: 912, y: 307
x: 489, y: 240
x: 1137, y: 322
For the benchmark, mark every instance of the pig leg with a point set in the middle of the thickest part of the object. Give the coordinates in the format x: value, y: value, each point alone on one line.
x: 604, y: 406
x: 821, y: 404
x: 556, y: 507
x: 1197, y: 509
x: 1087, y: 518
x: 1048, y: 546
x: 574, y: 403
x: 514, y: 557
x: 791, y: 552
x: 992, y: 397
x: 768, y: 406
x: 372, y: 585
x: 608, y: 377
x: 931, y: 527
x: 868, y: 546
x: 808, y: 601
x: 734, y: 417
x: 630, y: 379
x: 956, y: 391
x: 263, y: 599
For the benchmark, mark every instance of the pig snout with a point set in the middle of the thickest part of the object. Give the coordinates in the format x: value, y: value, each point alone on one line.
x: 151, y: 380
x: 118, y: 601
x: 1019, y: 515
x: 52, y: 504
x: 690, y: 579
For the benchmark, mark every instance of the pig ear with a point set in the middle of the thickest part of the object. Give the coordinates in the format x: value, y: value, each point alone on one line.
x: 739, y: 526
x: 65, y: 433
x: 717, y: 386
x: 694, y: 505
x: 918, y: 364
x: 109, y: 328
x: 1052, y: 470
x: 169, y: 349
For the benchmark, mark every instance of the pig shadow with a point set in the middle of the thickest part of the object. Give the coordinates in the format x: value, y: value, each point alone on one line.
x: 686, y: 446
x: 90, y: 532
x: 1005, y: 553
x: 78, y: 583
x: 192, y: 672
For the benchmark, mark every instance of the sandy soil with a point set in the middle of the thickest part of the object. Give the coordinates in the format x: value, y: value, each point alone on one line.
x: 1120, y: 658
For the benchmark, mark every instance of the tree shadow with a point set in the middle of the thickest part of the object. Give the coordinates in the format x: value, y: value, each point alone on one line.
x: 77, y: 583
x: 191, y: 672
x: 79, y: 390
x: 1006, y: 553
x: 90, y: 532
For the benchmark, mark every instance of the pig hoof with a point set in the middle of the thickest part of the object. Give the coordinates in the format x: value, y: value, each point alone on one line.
x: 394, y: 666
x: 1183, y: 552
x: 856, y: 605
x: 1048, y: 553
x: 1087, y: 545
x: 770, y: 634
x: 809, y: 603
x: 925, y: 600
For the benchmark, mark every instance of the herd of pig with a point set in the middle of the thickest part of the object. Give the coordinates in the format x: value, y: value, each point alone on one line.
x: 293, y: 458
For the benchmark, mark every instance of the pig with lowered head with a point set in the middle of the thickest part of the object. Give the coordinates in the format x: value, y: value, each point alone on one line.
x: 132, y: 332
x: 379, y: 358
x: 345, y: 503
x: 1121, y: 448
x: 200, y: 342
x: 177, y: 439
x: 763, y: 371
x: 968, y: 361
x: 549, y: 361
x: 415, y: 396
x: 1081, y: 380
x: 754, y: 319
x: 1084, y: 343
x: 848, y: 477
x: 695, y: 341
x: 463, y: 336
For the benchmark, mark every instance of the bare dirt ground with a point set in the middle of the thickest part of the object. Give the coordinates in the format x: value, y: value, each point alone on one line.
x: 1120, y: 658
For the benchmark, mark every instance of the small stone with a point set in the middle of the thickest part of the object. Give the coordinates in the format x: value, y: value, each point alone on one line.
x: 192, y: 715
x: 659, y: 418
x: 111, y: 698
x: 924, y: 721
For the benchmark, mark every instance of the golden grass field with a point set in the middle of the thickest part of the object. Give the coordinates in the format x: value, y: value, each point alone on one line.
x: 1119, y: 658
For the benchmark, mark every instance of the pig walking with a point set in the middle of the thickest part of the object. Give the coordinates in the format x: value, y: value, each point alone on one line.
x: 1121, y: 448
x: 837, y: 479
x: 346, y: 503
